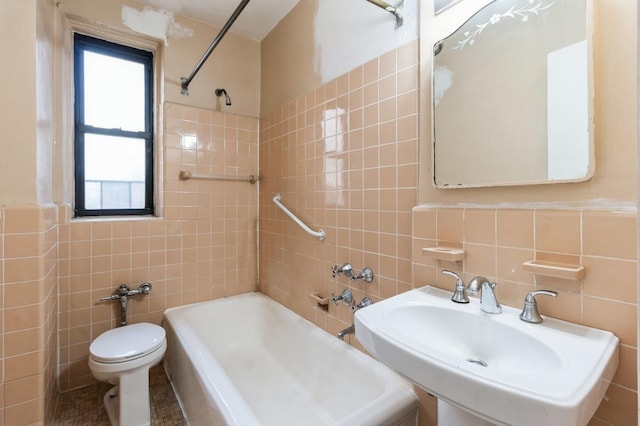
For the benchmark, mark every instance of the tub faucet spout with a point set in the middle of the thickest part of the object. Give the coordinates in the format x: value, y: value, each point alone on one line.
x: 349, y: 330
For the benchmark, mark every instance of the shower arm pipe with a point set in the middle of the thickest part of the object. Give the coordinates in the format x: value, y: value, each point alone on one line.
x: 185, y: 81
x: 318, y: 234
x: 394, y: 10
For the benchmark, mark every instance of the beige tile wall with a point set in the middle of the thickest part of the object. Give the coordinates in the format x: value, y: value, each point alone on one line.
x: 344, y: 158
x: 29, y: 322
x: 498, y: 241
x: 203, y: 247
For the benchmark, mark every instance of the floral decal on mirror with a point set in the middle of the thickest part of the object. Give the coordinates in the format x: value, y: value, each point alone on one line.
x: 515, y: 12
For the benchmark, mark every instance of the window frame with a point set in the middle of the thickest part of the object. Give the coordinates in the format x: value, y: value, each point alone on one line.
x: 82, y: 43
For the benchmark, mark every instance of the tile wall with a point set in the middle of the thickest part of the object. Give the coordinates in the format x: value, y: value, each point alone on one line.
x: 344, y: 159
x: 496, y: 243
x: 28, y: 271
x: 202, y: 247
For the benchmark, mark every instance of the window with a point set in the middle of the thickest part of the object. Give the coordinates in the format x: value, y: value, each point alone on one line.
x: 113, y: 148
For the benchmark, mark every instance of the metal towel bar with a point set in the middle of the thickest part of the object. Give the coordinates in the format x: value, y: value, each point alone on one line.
x: 186, y: 175
x: 318, y: 234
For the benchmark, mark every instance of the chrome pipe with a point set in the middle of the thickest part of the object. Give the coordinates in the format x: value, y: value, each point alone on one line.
x: 186, y: 81
x: 394, y: 10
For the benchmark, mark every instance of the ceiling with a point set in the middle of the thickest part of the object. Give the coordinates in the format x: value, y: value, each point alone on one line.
x: 256, y: 21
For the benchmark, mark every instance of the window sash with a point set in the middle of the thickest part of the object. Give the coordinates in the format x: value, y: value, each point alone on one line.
x: 84, y: 43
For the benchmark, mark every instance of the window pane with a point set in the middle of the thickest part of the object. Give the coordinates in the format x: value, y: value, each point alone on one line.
x: 92, y: 195
x: 116, y: 195
x: 114, y: 92
x: 115, y: 164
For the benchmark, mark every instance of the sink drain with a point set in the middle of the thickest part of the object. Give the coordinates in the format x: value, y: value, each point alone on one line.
x: 477, y: 361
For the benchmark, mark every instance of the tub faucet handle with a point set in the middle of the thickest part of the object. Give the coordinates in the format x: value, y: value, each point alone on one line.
x: 363, y: 304
x: 345, y: 296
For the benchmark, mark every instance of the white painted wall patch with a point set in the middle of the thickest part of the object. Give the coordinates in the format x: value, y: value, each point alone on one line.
x: 159, y: 24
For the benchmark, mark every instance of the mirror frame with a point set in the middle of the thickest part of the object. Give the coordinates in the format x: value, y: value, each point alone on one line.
x: 442, y: 25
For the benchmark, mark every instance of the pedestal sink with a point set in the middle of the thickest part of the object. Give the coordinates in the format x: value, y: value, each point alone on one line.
x: 494, y: 366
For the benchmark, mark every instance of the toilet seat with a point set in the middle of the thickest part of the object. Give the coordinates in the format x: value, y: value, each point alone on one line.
x: 127, y: 343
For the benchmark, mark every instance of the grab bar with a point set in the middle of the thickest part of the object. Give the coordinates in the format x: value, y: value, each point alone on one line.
x: 186, y: 175
x: 394, y: 10
x: 186, y: 81
x: 318, y: 234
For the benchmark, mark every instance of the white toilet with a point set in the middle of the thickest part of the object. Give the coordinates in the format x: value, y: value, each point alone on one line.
x: 122, y: 356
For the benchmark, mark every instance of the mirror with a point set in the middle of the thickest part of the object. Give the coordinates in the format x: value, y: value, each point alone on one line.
x: 441, y: 5
x: 512, y: 96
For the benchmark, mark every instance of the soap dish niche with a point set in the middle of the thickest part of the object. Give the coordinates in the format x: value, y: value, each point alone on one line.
x: 321, y: 302
x: 446, y: 253
x: 553, y: 269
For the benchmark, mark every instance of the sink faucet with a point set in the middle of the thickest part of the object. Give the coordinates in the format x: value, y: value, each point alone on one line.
x: 488, y: 300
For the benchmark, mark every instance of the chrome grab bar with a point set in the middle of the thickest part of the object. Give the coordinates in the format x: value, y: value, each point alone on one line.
x: 318, y: 234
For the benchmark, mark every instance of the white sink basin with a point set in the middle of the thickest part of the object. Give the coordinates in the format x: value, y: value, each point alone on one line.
x: 495, y: 366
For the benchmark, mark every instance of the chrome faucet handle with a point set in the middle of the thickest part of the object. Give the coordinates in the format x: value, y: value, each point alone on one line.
x: 363, y: 304
x: 345, y: 296
x: 460, y: 295
x: 346, y: 269
x: 530, y: 310
x: 366, y: 275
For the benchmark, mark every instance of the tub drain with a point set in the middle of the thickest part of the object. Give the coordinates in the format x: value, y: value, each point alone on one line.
x: 477, y: 361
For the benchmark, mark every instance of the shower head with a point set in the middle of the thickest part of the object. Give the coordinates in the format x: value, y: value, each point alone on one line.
x: 220, y: 92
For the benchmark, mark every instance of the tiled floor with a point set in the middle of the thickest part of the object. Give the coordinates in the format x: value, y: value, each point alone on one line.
x: 83, y: 407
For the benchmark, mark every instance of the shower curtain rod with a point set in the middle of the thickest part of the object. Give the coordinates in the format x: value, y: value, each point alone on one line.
x: 185, y: 81
x: 394, y: 10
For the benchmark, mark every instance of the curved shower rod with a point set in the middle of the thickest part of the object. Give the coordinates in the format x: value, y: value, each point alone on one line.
x: 185, y: 81
x: 394, y: 10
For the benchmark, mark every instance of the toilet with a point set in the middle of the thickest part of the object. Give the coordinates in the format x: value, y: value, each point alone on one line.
x: 122, y: 356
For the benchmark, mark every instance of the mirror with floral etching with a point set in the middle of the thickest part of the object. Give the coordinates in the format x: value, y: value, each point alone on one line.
x: 513, y: 96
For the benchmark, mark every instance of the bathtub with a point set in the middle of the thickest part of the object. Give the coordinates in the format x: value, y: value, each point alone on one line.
x: 247, y: 360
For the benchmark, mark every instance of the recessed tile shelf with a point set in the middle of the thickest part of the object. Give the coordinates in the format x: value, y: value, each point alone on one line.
x: 450, y: 254
x: 558, y: 270
x: 321, y: 301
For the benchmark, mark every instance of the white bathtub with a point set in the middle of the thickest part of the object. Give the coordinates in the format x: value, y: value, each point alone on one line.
x: 247, y: 360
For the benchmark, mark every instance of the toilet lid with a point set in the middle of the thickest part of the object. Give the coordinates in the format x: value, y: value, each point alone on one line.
x: 126, y: 343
